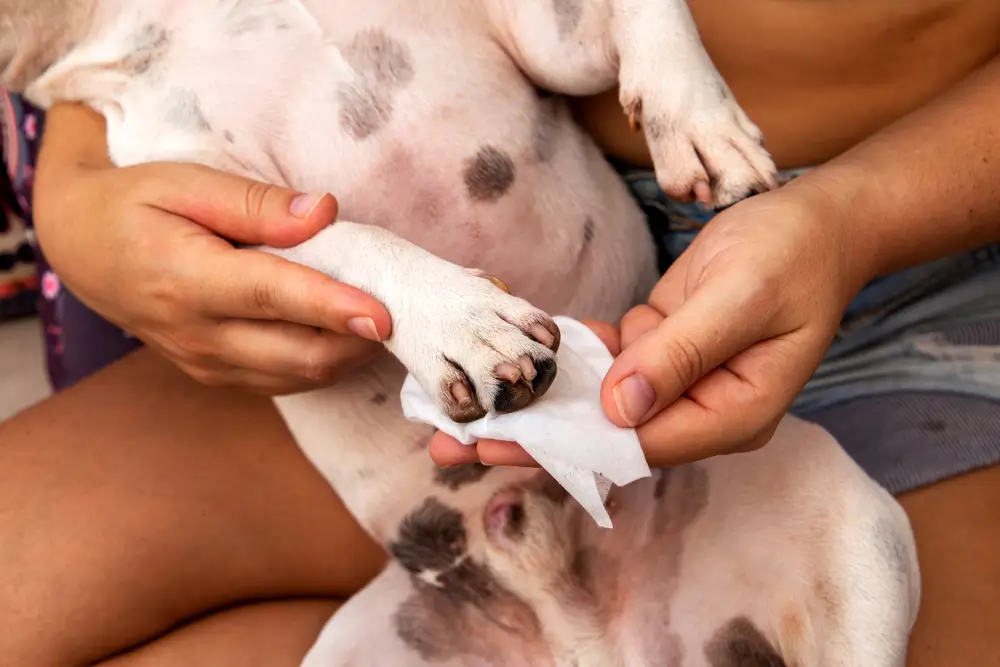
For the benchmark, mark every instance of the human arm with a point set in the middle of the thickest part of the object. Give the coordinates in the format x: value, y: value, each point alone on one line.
x: 743, y: 318
x: 141, y: 246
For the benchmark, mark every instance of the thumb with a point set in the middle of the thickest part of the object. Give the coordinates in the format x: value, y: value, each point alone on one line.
x: 713, y: 325
x: 240, y: 209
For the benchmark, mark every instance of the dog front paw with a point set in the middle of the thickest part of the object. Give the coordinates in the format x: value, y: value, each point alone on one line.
x: 704, y: 147
x: 478, y: 349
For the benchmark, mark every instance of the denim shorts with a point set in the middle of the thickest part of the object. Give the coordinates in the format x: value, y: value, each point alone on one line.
x: 911, y: 384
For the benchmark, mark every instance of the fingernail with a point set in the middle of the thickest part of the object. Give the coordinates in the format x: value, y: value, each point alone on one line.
x: 364, y: 327
x: 633, y: 397
x: 303, y: 205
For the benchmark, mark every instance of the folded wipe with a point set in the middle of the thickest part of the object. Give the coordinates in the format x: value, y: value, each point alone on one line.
x: 565, y: 430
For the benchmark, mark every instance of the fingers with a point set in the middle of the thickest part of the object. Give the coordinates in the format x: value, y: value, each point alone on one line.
x: 713, y: 325
x: 446, y: 451
x: 240, y: 209
x: 251, y: 284
x: 291, y: 351
x: 637, y: 322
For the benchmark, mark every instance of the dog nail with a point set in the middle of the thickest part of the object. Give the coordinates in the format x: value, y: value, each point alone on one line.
x: 461, y: 394
x: 541, y: 334
x: 364, y: 327
x: 303, y: 205
x: 527, y: 367
x: 508, y: 372
x: 634, y: 398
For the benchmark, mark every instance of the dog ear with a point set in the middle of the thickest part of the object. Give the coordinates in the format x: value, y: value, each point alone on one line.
x: 34, y: 34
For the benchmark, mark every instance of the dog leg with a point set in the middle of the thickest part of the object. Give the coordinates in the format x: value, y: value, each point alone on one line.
x: 702, y: 143
x: 474, y: 347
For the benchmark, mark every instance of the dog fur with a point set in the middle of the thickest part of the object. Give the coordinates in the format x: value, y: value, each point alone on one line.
x: 425, y: 118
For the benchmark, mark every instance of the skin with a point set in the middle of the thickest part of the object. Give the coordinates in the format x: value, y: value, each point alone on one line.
x: 143, y: 439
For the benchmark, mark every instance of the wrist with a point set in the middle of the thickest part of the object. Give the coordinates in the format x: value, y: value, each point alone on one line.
x: 833, y: 198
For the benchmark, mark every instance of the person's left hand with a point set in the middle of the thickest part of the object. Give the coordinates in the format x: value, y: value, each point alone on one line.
x: 732, y: 331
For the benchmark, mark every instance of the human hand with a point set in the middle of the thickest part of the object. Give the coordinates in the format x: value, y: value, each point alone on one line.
x: 142, y: 247
x: 731, y: 334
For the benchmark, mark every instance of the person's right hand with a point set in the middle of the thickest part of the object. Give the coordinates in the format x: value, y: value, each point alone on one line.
x: 141, y: 246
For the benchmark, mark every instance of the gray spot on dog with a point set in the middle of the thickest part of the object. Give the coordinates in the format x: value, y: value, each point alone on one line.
x: 458, y: 476
x: 655, y: 128
x: 740, y: 644
x: 363, y: 112
x: 568, y: 14
x: 588, y: 231
x: 381, y: 66
x: 545, y: 131
x: 184, y: 111
x: 891, y: 547
x: 376, y: 56
x: 431, y: 538
x: 229, y: 137
x: 149, y: 46
x: 933, y: 425
x: 489, y: 175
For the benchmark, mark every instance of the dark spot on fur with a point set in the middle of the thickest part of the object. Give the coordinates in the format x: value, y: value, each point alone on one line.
x: 431, y: 538
x: 379, y: 398
x: 184, y: 111
x: 550, y: 488
x: 546, y: 127
x: 933, y: 425
x: 588, y: 230
x: 149, y: 46
x: 489, y: 175
x: 363, y: 111
x: 458, y: 476
x: 655, y: 128
x: 892, y: 548
x: 660, y: 488
x: 517, y: 521
x: 568, y: 14
x: 468, y: 582
x: 740, y: 644
x: 375, y: 56
x: 229, y: 137
x: 381, y: 65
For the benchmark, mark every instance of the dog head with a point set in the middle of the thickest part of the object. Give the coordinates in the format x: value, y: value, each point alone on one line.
x: 34, y: 34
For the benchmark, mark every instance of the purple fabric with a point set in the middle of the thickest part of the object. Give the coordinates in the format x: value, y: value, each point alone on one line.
x: 77, y: 340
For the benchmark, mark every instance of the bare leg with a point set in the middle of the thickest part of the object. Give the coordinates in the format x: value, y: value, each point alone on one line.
x: 270, y: 634
x: 139, y: 499
x: 958, y: 544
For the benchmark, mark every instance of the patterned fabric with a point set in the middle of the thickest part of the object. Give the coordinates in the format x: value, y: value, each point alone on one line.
x: 18, y: 277
x: 77, y: 341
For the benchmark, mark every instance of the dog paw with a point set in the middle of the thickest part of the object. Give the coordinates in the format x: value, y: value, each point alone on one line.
x: 479, y: 349
x: 704, y: 147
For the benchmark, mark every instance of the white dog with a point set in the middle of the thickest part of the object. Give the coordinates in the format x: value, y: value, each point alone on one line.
x: 423, y: 117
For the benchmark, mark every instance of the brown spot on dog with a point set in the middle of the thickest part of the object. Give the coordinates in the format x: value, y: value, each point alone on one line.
x: 740, y: 644
x: 660, y: 488
x: 455, y: 477
x: 489, y: 175
x: 229, y: 137
x: 379, y: 398
x: 568, y: 14
x: 149, y: 46
x: 431, y: 538
x: 184, y: 111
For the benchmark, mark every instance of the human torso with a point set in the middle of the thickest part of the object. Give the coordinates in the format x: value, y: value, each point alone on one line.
x: 818, y: 76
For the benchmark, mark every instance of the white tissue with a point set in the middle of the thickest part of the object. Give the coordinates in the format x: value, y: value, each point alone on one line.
x: 565, y: 430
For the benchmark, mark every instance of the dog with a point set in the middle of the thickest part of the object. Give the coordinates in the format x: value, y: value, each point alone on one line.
x: 427, y: 120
